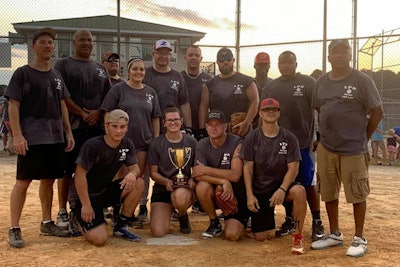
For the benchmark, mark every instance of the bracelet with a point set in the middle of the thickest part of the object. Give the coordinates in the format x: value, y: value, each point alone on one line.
x: 134, y: 173
x: 281, y: 188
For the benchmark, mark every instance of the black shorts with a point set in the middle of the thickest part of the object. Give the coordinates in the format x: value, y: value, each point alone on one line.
x: 264, y: 219
x: 41, y: 162
x: 110, y: 197
x: 80, y: 137
x: 243, y: 213
x: 161, y: 196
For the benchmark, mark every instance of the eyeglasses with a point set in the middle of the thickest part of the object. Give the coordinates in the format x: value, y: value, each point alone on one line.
x: 225, y: 58
x: 112, y: 59
x: 172, y: 120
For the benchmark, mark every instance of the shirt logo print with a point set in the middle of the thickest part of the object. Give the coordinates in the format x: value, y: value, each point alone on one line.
x: 349, y: 92
x: 283, y: 149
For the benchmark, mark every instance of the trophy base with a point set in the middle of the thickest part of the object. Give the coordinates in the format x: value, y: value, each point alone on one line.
x: 180, y: 183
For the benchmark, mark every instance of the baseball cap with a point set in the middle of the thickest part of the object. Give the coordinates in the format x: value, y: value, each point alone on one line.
x: 224, y: 54
x: 46, y: 30
x: 216, y: 115
x: 109, y: 54
x: 337, y: 42
x: 262, y: 57
x: 269, y: 103
x: 115, y: 115
x: 162, y: 44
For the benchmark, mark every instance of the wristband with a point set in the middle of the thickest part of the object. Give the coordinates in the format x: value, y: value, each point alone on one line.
x: 281, y: 188
x: 318, y: 135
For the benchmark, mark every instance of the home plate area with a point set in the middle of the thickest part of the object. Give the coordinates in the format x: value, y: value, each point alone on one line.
x: 171, y: 240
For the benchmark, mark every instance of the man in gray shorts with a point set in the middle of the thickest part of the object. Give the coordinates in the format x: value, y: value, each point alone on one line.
x: 343, y: 98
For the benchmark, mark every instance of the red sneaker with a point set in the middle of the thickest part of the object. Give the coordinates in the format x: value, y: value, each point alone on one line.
x: 298, y: 244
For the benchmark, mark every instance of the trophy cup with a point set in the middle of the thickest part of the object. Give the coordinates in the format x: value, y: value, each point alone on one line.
x: 179, y: 158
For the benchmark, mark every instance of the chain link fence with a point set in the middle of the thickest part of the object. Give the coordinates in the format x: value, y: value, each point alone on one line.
x: 378, y: 56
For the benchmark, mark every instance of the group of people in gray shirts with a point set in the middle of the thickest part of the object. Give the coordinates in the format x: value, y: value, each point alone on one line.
x: 103, y: 137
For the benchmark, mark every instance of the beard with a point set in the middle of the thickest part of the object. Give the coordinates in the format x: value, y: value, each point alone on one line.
x: 226, y: 69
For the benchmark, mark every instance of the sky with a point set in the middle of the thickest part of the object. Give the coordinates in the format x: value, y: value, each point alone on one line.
x: 262, y: 21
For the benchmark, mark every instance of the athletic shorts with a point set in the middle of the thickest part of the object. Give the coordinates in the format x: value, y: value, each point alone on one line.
x: 306, y: 168
x: 243, y: 213
x: 334, y: 169
x: 41, y: 162
x: 110, y: 197
x: 80, y: 137
x: 264, y: 219
x: 161, y: 196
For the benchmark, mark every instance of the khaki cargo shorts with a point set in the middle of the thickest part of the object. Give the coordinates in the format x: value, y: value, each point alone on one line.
x: 334, y: 169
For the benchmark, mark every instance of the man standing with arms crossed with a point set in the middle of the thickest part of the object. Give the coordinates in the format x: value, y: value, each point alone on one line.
x: 88, y: 83
x: 38, y: 117
x: 343, y: 98
x: 294, y: 91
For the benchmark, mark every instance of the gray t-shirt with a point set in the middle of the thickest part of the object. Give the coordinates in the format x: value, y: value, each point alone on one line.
x: 295, y: 98
x: 141, y: 105
x: 40, y: 94
x: 221, y: 157
x: 102, y: 163
x: 87, y: 82
x: 343, y: 108
x: 158, y: 155
x: 271, y: 157
x: 170, y: 87
x: 194, y: 85
x: 229, y: 94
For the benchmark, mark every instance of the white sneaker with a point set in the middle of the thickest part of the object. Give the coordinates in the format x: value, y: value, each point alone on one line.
x: 358, y: 248
x: 327, y: 241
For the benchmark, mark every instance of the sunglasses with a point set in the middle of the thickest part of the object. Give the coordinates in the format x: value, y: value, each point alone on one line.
x: 225, y: 58
x: 112, y: 59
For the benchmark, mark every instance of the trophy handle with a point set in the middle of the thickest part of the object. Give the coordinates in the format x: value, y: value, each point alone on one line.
x: 188, y: 155
x: 171, y: 150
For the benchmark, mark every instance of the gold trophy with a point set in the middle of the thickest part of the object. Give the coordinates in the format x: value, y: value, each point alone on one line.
x: 180, y: 158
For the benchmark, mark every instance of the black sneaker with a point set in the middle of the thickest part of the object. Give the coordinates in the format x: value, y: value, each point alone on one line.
x: 123, y: 232
x: 15, y: 238
x: 197, y: 208
x: 142, y: 216
x: 135, y: 223
x: 286, y: 228
x: 51, y: 229
x: 215, y: 229
x: 74, y: 226
x: 184, y: 224
x: 317, y: 230
x: 174, y: 215
x: 62, y: 219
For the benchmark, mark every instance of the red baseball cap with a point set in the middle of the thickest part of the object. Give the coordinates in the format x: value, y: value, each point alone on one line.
x: 269, y: 103
x: 262, y: 57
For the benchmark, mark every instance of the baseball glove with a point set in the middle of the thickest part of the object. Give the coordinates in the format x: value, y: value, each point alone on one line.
x: 236, y: 118
x: 227, y: 206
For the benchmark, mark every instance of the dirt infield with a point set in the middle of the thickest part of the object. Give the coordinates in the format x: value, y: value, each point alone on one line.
x: 382, y: 230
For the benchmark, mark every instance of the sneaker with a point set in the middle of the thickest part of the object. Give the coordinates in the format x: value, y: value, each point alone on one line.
x: 298, y: 244
x: 358, y: 247
x: 123, y: 232
x: 108, y: 213
x: 51, y: 229
x: 317, y: 230
x: 215, y: 229
x: 286, y: 228
x: 62, y: 219
x: 197, y: 208
x: 135, y: 223
x: 174, y: 215
x: 142, y: 216
x: 327, y: 241
x: 15, y: 238
x: 74, y: 227
x: 184, y: 224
